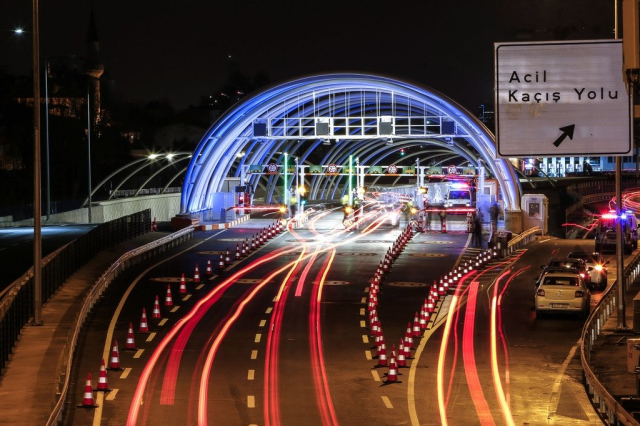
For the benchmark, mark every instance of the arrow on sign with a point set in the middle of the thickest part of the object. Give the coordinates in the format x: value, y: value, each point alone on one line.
x: 566, y: 131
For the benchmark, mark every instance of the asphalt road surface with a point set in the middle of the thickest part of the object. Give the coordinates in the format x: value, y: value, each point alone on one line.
x: 285, y: 336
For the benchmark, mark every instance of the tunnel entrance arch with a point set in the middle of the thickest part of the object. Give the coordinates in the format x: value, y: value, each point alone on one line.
x: 340, y: 114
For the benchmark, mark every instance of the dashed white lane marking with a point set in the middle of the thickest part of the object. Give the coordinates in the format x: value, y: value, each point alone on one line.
x: 363, y: 324
x: 112, y: 395
x: 543, y: 241
x: 365, y: 338
x: 139, y: 353
x: 268, y: 311
x: 251, y: 374
x: 251, y: 401
x: 187, y: 297
x: 163, y: 322
x: 367, y: 355
x: 254, y: 354
x: 151, y: 336
x: 175, y: 308
x: 387, y: 402
x: 258, y: 337
x: 125, y: 373
x: 375, y: 375
x: 262, y: 323
x: 200, y: 286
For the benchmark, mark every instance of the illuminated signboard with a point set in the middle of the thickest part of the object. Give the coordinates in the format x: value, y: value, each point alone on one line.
x: 561, y: 98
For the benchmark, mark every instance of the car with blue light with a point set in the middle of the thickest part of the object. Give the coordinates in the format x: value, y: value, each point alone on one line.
x: 458, y: 195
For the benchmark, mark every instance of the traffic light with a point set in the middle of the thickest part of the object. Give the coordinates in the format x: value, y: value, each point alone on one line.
x: 402, y: 152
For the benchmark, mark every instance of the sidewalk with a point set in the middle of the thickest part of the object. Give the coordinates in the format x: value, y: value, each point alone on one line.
x: 28, y: 386
x: 609, y: 356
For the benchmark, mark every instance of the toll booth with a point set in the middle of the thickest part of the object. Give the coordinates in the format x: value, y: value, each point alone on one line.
x: 535, y: 211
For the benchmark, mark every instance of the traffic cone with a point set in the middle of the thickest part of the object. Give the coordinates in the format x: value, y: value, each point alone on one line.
x: 103, y: 386
x: 221, y: 264
x: 416, y: 326
x: 183, y: 283
x: 114, y: 361
x: 407, y: 349
x: 156, y: 309
x: 423, y: 320
x: 382, y: 358
x: 444, y: 226
x: 88, y: 401
x: 130, y: 344
x: 244, y: 249
x: 392, y: 375
x: 402, y: 360
x: 196, y: 276
x: 253, y: 244
x: 238, y: 252
x: 144, y: 327
x: 408, y: 336
x: 168, y: 300
x: 209, y: 270
x: 227, y: 258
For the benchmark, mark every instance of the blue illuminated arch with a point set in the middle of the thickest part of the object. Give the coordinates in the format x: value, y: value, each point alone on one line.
x: 216, y: 156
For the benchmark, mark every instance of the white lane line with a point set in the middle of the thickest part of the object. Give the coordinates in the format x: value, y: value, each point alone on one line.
x: 251, y: 374
x: 258, y: 337
x: 163, y: 321
x: 387, y: 402
x: 112, y: 395
x: 268, y: 311
x: 543, y: 241
x: 375, y: 375
x: 151, y: 336
x: 139, y: 353
x: 262, y: 323
x: 254, y: 354
x: 364, y: 324
x: 251, y: 401
x: 187, y: 297
x: 125, y: 373
x: 175, y: 308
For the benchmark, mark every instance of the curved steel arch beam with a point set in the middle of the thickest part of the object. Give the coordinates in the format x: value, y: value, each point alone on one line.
x: 158, y: 172
x: 202, y: 171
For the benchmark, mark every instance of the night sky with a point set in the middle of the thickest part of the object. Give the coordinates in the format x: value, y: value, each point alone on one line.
x: 179, y: 50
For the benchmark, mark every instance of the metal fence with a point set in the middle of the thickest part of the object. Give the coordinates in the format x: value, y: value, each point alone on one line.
x: 609, y: 408
x: 125, y: 261
x: 17, y: 307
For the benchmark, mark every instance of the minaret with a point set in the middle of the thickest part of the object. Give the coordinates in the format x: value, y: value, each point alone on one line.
x: 94, y: 68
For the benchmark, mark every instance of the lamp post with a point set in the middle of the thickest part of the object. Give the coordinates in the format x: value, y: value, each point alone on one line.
x: 89, y: 149
x: 46, y: 125
x: 37, y: 209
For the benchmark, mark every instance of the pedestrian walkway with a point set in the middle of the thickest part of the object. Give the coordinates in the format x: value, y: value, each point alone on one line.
x: 28, y: 385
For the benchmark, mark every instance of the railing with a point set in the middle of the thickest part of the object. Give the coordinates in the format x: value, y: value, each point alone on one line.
x: 125, y: 261
x: 522, y: 239
x: 16, y: 305
x: 608, y: 407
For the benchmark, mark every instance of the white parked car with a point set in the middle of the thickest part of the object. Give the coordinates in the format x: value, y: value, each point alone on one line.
x: 562, y: 292
x: 596, y: 265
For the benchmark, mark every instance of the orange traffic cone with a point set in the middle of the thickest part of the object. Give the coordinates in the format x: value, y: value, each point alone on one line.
x: 221, y: 264
x: 168, y: 299
x: 183, y: 283
x: 144, y: 327
x: 209, y: 270
x: 130, y: 344
x: 114, y: 361
x: 382, y: 358
x: 408, y: 337
x: 416, y: 326
x: 238, y: 252
x: 402, y: 359
x: 156, y: 309
x: 88, y: 401
x: 392, y: 375
x: 407, y: 349
x: 103, y: 386
x: 227, y: 258
x: 196, y: 275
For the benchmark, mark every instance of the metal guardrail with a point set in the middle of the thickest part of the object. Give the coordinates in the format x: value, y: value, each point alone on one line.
x: 522, y: 239
x: 16, y: 305
x: 608, y: 407
x: 125, y: 261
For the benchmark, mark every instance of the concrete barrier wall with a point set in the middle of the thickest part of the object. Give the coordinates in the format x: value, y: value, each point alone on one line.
x: 163, y: 208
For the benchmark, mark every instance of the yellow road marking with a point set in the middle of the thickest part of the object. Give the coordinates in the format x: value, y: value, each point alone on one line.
x: 125, y: 373
x: 200, y: 286
x: 363, y: 324
x: 268, y: 311
x: 151, y: 336
x: 251, y: 401
x: 175, y: 308
x: 112, y: 395
x: 367, y: 355
x: 163, y: 322
x: 387, y: 402
x: 258, y: 337
x: 251, y: 374
x: 375, y: 375
x: 254, y: 354
x: 262, y: 323
x: 139, y: 353
x: 187, y: 297
x: 362, y: 311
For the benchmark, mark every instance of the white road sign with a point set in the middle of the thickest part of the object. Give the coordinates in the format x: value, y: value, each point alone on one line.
x: 561, y: 98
